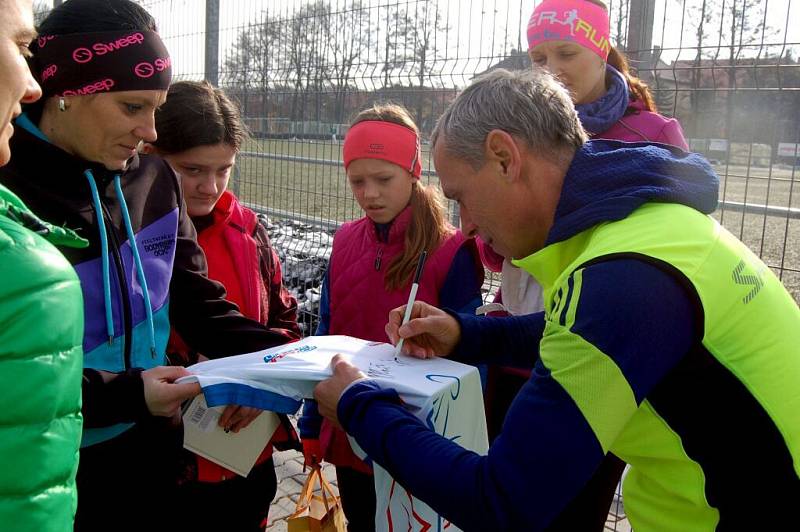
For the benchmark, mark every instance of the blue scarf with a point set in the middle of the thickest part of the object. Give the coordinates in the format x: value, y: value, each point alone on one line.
x: 601, y: 114
x: 609, y: 179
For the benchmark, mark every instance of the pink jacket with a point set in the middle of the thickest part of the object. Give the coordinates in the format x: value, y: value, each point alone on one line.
x: 360, y: 304
x: 640, y: 125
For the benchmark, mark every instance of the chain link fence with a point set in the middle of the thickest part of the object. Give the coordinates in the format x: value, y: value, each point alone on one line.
x: 727, y: 69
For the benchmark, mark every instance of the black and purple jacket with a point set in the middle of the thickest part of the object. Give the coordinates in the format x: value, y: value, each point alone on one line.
x: 132, y: 294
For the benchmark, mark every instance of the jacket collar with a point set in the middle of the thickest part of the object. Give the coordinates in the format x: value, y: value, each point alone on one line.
x: 606, y: 182
x: 397, y: 228
x: 13, y: 208
x: 223, y: 213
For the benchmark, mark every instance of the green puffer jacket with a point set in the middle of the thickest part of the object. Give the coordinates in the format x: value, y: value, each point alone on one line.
x: 41, y: 333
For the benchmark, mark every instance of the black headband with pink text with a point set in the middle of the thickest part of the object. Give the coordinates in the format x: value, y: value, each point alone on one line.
x: 79, y: 64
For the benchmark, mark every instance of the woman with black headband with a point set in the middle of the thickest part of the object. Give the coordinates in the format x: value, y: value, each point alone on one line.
x: 103, y: 71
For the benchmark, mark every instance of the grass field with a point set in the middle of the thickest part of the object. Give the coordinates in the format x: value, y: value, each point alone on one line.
x: 321, y: 192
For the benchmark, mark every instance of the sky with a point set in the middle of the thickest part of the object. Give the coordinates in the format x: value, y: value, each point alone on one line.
x: 480, y: 30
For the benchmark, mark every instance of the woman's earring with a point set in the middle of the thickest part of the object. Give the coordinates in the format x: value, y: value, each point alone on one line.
x: 62, y: 105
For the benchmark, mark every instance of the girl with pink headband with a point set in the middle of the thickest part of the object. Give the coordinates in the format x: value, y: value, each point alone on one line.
x: 371, y: 266
x: 571, y: 39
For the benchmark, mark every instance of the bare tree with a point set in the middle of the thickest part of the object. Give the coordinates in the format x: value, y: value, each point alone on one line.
x: 40, y: 11
x: 395, y: 27
x: 314, y: 52
x: 255, y: 54
x: 289, y: 51
x: 422, y: 28
x: 348, y: 39
x: 619, y: 13
x: 240, y: 71
x: 733, y: 26
x: 701, y: 15
x: 426, y: 27
x: 746, y: 24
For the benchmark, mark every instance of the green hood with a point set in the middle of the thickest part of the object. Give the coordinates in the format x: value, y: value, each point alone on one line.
x: 13, y: 208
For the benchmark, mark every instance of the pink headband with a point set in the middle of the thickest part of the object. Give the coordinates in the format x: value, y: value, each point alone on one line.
x: 376, y: 139
x: 578, y: 21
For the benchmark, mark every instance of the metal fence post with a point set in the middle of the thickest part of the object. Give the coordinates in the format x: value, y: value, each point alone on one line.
x: 639, y: 42
x: 288, y: 85
x: 212, y: 42
x: 455, y: 216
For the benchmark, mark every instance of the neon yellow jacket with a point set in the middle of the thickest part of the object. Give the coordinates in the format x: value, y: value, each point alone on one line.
x: 738, y: 389
x: 663, y: 340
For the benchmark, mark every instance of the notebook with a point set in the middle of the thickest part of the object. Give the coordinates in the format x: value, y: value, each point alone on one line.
x: 235, y: 451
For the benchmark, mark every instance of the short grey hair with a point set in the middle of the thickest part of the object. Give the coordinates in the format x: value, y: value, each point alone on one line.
x: 530, y: 105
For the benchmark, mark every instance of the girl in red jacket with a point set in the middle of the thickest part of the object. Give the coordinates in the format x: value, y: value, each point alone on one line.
x: 371, y: 266
x: 200, y: 132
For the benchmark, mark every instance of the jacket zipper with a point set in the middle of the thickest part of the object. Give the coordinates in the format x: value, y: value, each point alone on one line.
x: 126, y: 302
x: 378, y: 259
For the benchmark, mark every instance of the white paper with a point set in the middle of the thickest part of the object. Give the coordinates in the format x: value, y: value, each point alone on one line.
x: 235, y: 451
x: 292, y: 370
x: 445, y: 395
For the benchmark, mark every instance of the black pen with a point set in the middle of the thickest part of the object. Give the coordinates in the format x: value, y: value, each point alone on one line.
x: 411, y: 297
